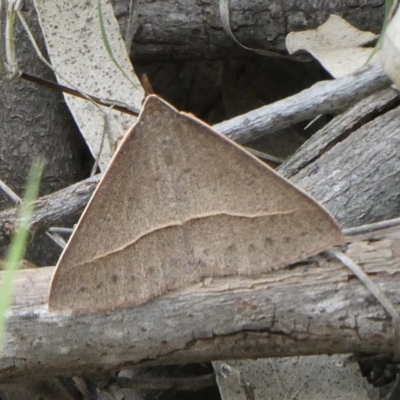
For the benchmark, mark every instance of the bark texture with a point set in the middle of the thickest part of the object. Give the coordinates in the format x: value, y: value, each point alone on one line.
x: 314, y: 307
x: 351, y: 165
x: 170, y: 29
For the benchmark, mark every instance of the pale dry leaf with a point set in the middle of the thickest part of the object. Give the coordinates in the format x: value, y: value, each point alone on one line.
x: 77, y: 51
x: 337, y: 45
x: 177, y: 204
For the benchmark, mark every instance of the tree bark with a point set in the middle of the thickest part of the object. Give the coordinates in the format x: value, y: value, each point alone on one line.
x: 313, y: 307
x: 167, y: 30
x: 351, y: 165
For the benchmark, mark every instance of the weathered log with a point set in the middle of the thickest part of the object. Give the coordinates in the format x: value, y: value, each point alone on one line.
x: 351, y: 164
x: 313, y: 307
x: 170, y: 30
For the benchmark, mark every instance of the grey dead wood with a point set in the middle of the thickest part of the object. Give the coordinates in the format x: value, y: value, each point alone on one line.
x: 285, y: 313
x: 351, y: 165
x: 193, y: 30
x: 321, y: 98
x: 53, y: 208
x: 353, y: 197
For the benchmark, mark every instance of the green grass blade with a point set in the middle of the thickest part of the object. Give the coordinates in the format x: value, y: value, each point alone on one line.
x: 19, y: 242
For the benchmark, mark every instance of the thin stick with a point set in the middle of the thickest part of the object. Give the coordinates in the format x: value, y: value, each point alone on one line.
x: 9, y: 192
x: 358, y: 230
x: 116, y: 105
x: 17, y: 200
x: 264, y: 156
x: 322, y: 98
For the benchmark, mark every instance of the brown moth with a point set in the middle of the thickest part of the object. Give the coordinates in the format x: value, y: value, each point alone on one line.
x: 179, y: 203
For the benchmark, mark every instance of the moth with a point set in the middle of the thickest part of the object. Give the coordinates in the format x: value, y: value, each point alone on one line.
x: 177, y: 204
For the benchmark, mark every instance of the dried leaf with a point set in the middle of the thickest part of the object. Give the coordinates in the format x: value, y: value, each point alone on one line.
x: 180, y: 203
x: 336, y: 44
x: 78, y: 52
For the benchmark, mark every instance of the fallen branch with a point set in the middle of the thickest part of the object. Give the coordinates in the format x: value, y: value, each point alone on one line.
x: 326, y: 97
x: 194, y: 29
x: 51, y: 209
x: 314, y: 307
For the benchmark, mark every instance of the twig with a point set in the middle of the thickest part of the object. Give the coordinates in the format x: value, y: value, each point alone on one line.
x: 57, y: 239
x: 61, y: 230
x: 265, y: 156
x: 53, y: 208
x: 311, y: 308
x: 116, y: 105
x: 325, y: 97
x: 358, y: 230
x: 9, y: 192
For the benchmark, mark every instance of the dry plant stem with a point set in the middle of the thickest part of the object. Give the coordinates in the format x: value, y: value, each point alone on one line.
x: 11, y: 62
x: 61, y: 230
x: 314, y: 307
x: 115, y: 105
x: 264, y: 156
x: 322, y: 98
